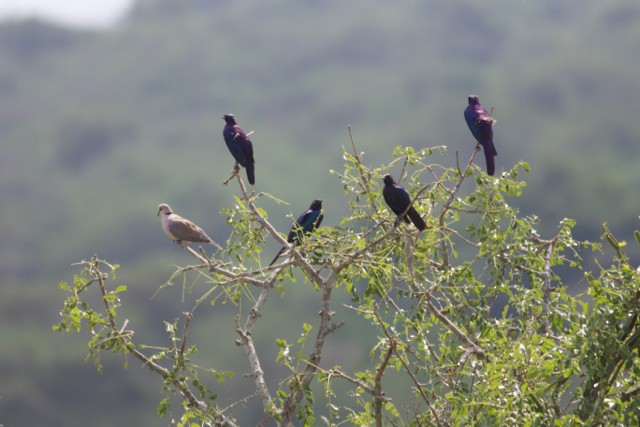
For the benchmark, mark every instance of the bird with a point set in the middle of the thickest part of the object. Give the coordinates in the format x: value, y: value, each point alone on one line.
x: 480, y: 123
x: 182, y: 230
x: 399, y: 200
x: 240, y: 146
x: 306, y: 223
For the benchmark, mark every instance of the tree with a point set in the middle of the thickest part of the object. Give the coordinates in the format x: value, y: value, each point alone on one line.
x: 473, y: 314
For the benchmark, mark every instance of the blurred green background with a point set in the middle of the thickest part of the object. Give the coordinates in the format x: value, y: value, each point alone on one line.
x: 97, y: 127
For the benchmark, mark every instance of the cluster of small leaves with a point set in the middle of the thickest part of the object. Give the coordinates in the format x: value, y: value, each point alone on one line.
x: 607, y: 345
x: 482, y: 276
x: 473, y: 314
x: 248, y: 237
x: 78, y: 312
x: 181, y: 378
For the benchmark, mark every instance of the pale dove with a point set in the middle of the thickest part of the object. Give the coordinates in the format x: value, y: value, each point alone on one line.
x: 182, y: 230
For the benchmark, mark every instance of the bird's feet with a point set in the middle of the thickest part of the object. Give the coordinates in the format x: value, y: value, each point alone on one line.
x: 235, y: 172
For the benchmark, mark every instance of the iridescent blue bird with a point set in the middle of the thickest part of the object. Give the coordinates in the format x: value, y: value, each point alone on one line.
x: 240, y: 146
x: 480, y: 123
x: 399, y: 200
x: 306, y: 223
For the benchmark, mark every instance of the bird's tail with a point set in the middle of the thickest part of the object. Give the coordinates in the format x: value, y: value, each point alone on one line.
x: 277, y: 256
x: 416, y: 219
x: 251, y: 176
x: 489, y: 154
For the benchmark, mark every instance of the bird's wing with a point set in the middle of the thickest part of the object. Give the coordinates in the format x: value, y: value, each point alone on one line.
x: 186, y: 230
x: 305, y: 224
x: 386, y: 193
x: 239, y: 144
x: 470, y: 117
x: 484, y: 125
x: 296, y: 233
x: 246, y: 144
x: 311, y: 221
x: 305, y: 218
x: 398, y: 199
x: 229, y: 136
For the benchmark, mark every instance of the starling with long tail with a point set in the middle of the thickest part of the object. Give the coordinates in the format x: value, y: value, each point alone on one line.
x: 308, y: 221
x: 481, y: 123
x: 240, y: 146
x: 399, y: 201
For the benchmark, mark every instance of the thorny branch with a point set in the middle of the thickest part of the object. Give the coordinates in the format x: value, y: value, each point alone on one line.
x: 327, y: 325
x: 325, y: 328
x: 219, y: 418
x: 405, y: 365
x: 475, y: 348
x: 547, y: 288
x: 302, y: 262
x: 185, y: 334
x: 447, y: 205
x: 247, y: 341
x: 378, y: 393
x: 195, y: 254
x: 355, y: 381
x: 365, y: 178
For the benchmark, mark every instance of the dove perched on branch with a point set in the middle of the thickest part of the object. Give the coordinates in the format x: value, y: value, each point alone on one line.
x: 182, y: 230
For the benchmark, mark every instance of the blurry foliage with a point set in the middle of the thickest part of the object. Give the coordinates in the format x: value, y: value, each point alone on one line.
x: 27, y: 41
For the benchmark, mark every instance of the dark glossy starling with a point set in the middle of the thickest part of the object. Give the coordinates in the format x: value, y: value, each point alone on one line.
x: 399, y: 200
x: 240, y: 146
x: 480, y: 123
x: 308, y: 221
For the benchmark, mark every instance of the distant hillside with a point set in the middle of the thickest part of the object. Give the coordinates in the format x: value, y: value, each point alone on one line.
x: 98, y: 128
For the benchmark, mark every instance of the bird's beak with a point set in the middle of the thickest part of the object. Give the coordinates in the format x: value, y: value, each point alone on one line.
x: 158, y: 214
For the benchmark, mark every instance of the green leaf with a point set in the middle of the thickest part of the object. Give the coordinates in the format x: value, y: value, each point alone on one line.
x: 163, y: 407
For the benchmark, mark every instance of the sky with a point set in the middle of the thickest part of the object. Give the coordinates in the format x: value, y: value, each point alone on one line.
x: 76, y: 13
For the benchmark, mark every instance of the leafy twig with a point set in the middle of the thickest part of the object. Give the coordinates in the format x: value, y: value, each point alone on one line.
x: 179, y: 385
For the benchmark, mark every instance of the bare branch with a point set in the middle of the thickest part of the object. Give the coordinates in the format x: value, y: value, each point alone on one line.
x: 247, y: 341
x: 406, y: 367
x: 357, y: 382
x: 325, y: 328
x: 445, y: 208
x: 185, y: 333
x: 195, y: 254
x: 456, y: 331
x: 256, y: 370
x: 365, y: 178
x: 378, y: 393
x: 546, y: 288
